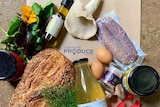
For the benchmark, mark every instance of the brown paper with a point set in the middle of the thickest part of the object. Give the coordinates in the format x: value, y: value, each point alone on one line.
x: 128, y: 12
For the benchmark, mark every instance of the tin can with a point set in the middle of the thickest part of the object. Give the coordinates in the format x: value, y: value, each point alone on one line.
x: 11, y: 66
x: 111, y: 77
x: 141, y: 80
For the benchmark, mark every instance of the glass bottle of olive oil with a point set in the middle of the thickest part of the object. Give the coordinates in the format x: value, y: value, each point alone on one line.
x: 89, y: 91
x: 55, y: 24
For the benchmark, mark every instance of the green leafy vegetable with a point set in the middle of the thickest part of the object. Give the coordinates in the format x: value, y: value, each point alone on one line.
x: 37, y: 8
x: 61, y: 97
x: 46, y: 13
x: 14, y: 25
x: 23, y: 37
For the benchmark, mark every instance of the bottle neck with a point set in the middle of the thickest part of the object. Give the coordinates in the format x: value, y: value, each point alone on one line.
x: 83, y: 69
x: 62, y: 12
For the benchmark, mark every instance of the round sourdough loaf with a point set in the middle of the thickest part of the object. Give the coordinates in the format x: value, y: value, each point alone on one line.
x: 48, y: 68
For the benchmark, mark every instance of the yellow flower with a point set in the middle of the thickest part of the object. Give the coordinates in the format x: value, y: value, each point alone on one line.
x: 28, y: 15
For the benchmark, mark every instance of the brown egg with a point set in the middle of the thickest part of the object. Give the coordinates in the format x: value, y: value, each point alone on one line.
x: 104, y: 55
x: 97, y: 68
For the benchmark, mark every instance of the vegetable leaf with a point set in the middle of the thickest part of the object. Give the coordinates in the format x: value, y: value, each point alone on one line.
x: 37, y: 8
x: 26, y: 38
x: 47, y: 3
x: 46, y: 13
x: 14, y: 25
x: 38, y: 48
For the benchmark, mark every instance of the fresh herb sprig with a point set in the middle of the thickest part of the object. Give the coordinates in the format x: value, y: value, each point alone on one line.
x: 60, y: 97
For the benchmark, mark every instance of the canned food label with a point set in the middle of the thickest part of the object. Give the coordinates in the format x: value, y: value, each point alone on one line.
x: 110, y: 77
x: 98, y: 103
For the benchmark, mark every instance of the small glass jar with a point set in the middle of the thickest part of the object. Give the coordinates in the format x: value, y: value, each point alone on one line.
x: 141, y: 80
x: 111, y: 77
x: 11, y: 66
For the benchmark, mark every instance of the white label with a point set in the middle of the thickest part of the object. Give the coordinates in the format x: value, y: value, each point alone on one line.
x: 54, y: 26
x: 98, y: 103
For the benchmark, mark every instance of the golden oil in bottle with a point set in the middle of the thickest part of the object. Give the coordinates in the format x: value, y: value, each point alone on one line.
x: 89, y: 93
x: 55, y: 24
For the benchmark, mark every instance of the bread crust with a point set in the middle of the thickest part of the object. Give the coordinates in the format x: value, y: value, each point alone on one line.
x: 48, y: 68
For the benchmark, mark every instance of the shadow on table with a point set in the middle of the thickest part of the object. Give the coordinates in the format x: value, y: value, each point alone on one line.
x: 14, y: 83
x: 151, y: 100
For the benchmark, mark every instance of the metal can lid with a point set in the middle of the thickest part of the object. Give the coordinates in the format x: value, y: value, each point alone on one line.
x: 7, y: 65
x: 143, y: 80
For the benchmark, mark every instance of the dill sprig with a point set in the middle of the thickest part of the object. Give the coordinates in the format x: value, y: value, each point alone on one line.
x: 60, y: 97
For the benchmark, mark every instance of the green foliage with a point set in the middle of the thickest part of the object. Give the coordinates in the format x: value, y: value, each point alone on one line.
x: 46, y: 12
x: 14, y: 25
x: 37, y: 8
x: 20, y: 32
x: 60, y: 97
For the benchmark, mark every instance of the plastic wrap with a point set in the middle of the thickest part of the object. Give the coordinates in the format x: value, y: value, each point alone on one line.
x: 125, y: 51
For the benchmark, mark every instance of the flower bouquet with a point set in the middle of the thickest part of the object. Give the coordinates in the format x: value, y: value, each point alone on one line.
x: 26, y: 30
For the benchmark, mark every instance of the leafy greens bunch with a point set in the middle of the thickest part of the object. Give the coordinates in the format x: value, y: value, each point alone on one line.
x: 26, y: 30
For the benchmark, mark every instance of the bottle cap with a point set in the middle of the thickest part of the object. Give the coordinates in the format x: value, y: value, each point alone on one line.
x: 80, y: 60
x: 67, y: 3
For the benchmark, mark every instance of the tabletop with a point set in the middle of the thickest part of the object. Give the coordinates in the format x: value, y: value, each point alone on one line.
x: 149, y: 42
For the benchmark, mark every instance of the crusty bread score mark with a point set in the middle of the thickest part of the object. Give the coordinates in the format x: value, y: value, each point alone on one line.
x: 48, y: 68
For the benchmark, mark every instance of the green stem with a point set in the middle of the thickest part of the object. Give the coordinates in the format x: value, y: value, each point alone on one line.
x: 6, y: 34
